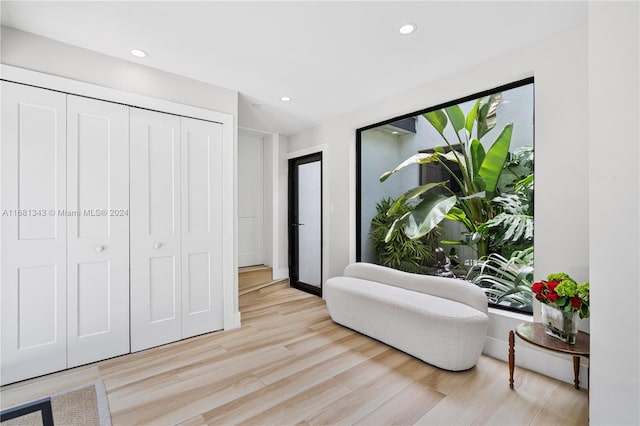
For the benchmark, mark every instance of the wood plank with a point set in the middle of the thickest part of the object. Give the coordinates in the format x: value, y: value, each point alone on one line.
x: 250, y: 276
x: 265, y: 287
x: 290, y: 364
x: 294, y: 410
x: 370, y: 395
x: 406, y: 407
x: 254, y: 403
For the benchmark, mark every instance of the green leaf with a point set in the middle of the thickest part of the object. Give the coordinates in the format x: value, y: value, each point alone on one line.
x: 396, y: 206
x: 584, y: 311
x: 420, y: 158
x: 439, y: 150
x: 411, y: 194
x: 394, y: 227
x: 481, y: 194
x: 459, y: 215
x: 427, y: 215
x: 495, y: 158
x: 525, y: 183
x: 503, y: 281
x: 477, y: 155
x: 453, y: 243
x: 438, y: 120
x: 471, y: 117
x: 487, y: 114
x: 385, y: 176
x: 456, y: 116
x: 456, y: 157
x: 479, y: 183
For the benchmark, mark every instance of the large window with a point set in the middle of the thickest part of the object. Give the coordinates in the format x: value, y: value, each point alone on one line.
x: 456, y: 198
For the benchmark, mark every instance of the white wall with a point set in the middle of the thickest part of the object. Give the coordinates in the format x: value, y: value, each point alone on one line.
x: 559, y: 65
x: 614, y: 194
x: 252, y: 246
x: 282, y: 221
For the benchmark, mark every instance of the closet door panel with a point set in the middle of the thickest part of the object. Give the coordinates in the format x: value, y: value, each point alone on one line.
x: 202, y: 302
x: 33, y: 247
x: 97, y: 230
x: 156, y: 268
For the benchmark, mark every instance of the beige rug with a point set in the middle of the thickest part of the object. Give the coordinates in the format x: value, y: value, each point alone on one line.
x: 85, y: 405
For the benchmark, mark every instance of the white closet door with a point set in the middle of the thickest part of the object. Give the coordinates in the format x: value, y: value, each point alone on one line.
x: 202, y: 308
x: 33, y: 250
x: 97, y: 230
x: 156, y: 297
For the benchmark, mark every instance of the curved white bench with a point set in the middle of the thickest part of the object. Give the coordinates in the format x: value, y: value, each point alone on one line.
x: 442, y: 321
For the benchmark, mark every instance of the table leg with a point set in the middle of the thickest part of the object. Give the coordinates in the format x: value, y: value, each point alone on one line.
x: 512, y: 357
x: 576, y: 372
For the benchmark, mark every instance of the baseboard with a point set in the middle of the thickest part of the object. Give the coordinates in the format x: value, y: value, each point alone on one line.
x: 280, y: 274
x: 235, y: 323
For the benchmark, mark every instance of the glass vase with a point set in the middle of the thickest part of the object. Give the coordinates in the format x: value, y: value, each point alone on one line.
x: 560, y: 324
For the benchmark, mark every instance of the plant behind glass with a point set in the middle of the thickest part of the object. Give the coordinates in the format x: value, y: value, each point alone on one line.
x: 400, y: 252
x: 480, y: 170
x: 506, y: 282
x: 511, y: 229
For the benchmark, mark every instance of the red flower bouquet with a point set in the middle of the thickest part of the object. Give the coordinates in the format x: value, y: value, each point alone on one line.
x: 562, y: 301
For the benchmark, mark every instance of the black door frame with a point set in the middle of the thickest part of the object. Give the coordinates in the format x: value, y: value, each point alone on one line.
x: 293, y: 222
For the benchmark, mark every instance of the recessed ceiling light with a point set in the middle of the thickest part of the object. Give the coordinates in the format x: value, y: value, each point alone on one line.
x: 285, y: 99
x: 407, y: 29
x: 395, y: 133
x: 139, y: 53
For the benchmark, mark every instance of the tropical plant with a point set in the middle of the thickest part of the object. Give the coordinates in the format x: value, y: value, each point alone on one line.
x: 506, y: 281
x: 480, y: 170
x: 511, y: 228
x: 400, y: 252
x: 518, y: 166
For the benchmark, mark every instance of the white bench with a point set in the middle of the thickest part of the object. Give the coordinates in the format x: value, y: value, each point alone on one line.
x: 442, y: 321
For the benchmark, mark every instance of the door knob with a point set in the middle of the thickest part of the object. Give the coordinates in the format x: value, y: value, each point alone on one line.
x: 157, y: 245
x: 99, y: 249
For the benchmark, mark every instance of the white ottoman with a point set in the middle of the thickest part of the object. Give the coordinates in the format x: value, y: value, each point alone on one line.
x: 442, y: 321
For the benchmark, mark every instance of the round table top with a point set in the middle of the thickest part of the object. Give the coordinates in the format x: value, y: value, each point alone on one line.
x: 533, y: 332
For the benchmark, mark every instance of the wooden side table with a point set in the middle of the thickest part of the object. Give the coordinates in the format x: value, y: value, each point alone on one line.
x: 533, y: 332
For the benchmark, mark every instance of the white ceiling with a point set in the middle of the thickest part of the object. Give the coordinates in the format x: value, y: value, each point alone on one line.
x: 329, y: 57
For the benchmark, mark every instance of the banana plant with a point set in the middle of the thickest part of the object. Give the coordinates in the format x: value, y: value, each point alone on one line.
x: 480, y: 170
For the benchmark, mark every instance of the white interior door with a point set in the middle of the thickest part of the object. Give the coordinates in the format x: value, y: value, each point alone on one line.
x: 156, y: 296
x: 33, y: 250
x: 97, y: 230
x: 202, y: 245
x: 250, y: 200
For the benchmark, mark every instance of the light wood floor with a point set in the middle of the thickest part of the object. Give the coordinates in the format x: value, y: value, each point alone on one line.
x: 290, y: 364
